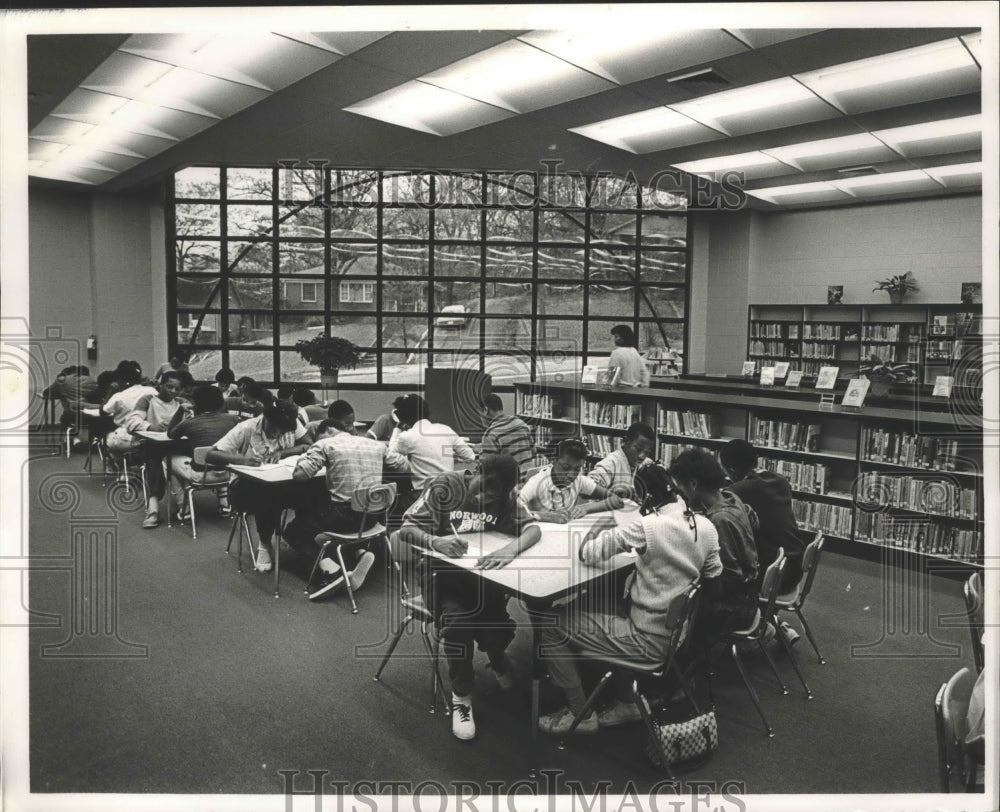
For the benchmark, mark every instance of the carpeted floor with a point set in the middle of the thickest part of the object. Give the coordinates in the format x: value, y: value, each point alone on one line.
x: 205, y: 683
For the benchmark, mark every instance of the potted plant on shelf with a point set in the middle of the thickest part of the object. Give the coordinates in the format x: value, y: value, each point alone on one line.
x: 898, y: 286
x: 330, y: 354
x: 884, y: 373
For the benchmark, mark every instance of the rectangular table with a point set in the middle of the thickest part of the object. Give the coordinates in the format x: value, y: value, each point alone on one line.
x: 272, y: 474
x: 549, y: 570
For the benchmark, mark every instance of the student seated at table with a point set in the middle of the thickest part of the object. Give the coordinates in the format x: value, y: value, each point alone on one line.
x: 674, y: 547
x: 617, y: 470
x: 468, y: 609
x: 553, y: 494
x: 155, y: 413
x: 206, y: 427
x: 266, y: 439
x: 339, y: 417
x: 125, y: 391
x: 177, y: 363
x: 385, y: 424
x: 75, y: 390
x: 286, y: 393
x: 699, y: 479
x: 306, y: 399
x: 506, y: 434
x: 430, y: 448
x: 251, y: 399
x: 351, y: 462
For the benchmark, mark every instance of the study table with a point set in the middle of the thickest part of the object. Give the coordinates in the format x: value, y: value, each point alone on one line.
x: 539, y: 576
x: 272, y: 475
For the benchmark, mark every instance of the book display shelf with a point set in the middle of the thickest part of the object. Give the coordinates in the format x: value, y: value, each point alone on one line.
x: 935, y: 339
x: 904, y: 473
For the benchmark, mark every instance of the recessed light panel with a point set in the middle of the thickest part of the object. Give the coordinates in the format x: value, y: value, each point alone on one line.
x: 936, y: 137
x: 831, y: 153
x: 801, y: 193
x: 891, y: 183
x: 752, y: 165
x: 648, y: 131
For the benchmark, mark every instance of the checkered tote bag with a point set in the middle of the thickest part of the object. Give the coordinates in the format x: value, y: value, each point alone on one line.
x: 685, y: 741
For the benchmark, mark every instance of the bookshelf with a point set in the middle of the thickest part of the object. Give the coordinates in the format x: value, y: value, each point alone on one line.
x: 936, y: 339
x: 905, y: 472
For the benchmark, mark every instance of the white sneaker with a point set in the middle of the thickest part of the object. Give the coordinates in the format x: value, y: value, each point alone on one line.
x: 618, y: 714
x: 360, y: 572
x: 463, y: 725
x: 790, y: 634
x: 264, y: 563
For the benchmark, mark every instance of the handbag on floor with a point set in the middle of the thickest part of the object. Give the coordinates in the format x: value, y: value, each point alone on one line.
x: 688, y: 743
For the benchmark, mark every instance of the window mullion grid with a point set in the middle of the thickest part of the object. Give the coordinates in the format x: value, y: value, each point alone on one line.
x: 379, y: 270
x: 275, y: 294
x: 432, y: 251
x: 535, y: 216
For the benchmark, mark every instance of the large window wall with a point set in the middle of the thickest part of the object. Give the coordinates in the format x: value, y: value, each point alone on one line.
x: 519, y: 274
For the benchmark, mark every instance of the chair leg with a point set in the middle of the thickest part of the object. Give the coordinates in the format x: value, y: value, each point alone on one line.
x: 750, y: 689
x: 795, y: 665
x: 774, y: 668
x: 809, y: 634
x: 347, y: 580
x: 189, y: 503
x: 647, y: 720
x: 586, y: 708
x: 393, y: 643
x: 425, y: 631
x: 315, y: 566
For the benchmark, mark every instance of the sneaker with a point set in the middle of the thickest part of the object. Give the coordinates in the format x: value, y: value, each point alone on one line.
x: 620, y: 713
x: 264, y: 563
x: 360, y: 571
x: 463, y: 725
x: 504, y: 673
x: 325, y: 584
x: 225, y: 510
x: 183, y: 516
x: 558, y: 723
x: 769, y: 633
x: 151, y: 520
x: 790, y: 634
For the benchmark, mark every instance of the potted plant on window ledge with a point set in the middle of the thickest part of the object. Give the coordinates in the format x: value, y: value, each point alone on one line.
x: 330, y: 354
x: 884, y: 374
x: 898, y: 287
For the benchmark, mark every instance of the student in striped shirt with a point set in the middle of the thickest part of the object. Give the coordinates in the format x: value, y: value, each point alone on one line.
x: 508, y: 435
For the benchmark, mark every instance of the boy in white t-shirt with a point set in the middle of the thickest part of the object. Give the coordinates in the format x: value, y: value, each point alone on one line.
x: 553, y: 494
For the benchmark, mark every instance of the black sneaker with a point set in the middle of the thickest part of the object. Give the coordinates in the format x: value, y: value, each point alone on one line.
x: 326, y: 583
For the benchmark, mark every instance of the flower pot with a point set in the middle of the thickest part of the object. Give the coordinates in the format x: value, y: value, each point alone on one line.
x: 328, y: 377
x: 879, y: 388
x: 896, y: 297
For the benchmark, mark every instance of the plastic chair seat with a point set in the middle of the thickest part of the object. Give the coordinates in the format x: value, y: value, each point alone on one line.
x: 372, y: 532
x: 750, y: 630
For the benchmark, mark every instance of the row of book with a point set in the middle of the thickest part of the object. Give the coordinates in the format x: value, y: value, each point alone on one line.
x: 543, y: 435
x: 613, y: 415
x: 666, y: 453
x: 921, y: 536
x: 809, y: 477
x: 818, y: 350
x: 689, y: 424
x: 911, y: 450
x: 535, y: 405
x: 892, y: 332
x: 758, y: 347
x: 828, y: 332
x: 782, y: 434
x: 943, y: 350
x: 772, y: 329
x: 936, y: 497
x: 835, y: 520
x: 600, y: 445
x: 892, y: 352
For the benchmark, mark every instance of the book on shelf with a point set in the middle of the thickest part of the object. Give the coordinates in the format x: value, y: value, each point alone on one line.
x: 781, y: 370
x: 965, y: 324
x: 942, y: 386
x: 827, y: 377
x: 941, y: 325
x: 612, y: 415
x: 910, y: 450
x: 931, y: 496
x: 749, y: 369
x: 857, y: 389
x: 609, y: 376
x: 767, y: 376
x: 687, y: 424
x: 794, y: 378
x: 808, y: 477
x: 784, y: 435
x: 834, y: 520
x: 537, y: 405
x: 931, y: 538
x: 590, y: 373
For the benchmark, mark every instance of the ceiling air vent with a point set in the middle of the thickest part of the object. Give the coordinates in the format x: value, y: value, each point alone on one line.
x: 703, y: 80
x: 856, y: 171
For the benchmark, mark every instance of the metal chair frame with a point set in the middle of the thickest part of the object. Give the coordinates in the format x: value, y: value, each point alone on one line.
x: 199, y: 484
x: 793, y: 601
x: 974, y: 606
x: 950, y: 706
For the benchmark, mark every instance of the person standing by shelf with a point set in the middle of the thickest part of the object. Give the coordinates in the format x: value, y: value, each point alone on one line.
x: 626, y: 358
x: 617, y: 470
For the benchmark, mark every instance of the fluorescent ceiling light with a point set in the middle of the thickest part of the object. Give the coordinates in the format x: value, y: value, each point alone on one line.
x: 617, y: 132
x: 713, y: 109
x: 429, y: 109
x: 516, y: 77
x: 955, y: 169
x: 825, y: 146
x: 911, y: 179
x: 946, y: 128
x: 797, y: 190
x: 907, y: 76
x: 751, y: 165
